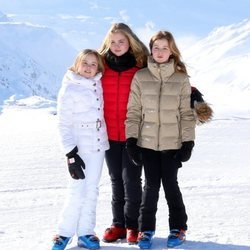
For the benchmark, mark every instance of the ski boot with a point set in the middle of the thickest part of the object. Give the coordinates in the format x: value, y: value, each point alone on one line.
x: 132, y: 236
x: 60, y: 242
x: 176, y: 237
x: 145, y: 239
x: 88, y: 241
x: 114, y: 233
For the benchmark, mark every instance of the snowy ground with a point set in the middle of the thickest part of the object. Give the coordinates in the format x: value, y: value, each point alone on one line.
x: 33, y: 179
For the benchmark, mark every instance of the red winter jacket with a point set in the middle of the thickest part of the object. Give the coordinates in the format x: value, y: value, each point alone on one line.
x: 116, y: 88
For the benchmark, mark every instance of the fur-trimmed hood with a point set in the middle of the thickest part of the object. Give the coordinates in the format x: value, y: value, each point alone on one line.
x: 203, y: 110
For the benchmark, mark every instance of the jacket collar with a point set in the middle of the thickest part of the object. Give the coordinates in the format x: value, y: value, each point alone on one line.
x: 120, y: 63
x: 72, y: 78
x: 161, y: 71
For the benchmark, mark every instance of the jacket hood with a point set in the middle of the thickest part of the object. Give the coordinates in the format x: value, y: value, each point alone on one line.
x: 203, y: 111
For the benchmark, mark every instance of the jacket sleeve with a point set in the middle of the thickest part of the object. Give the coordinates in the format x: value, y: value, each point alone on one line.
x: 187, y: 117
x: 65, y: 119
x: 134, y: 110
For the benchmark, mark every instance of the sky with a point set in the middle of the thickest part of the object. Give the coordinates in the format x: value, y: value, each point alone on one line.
x: 34, y: 176
x: 187, y: 20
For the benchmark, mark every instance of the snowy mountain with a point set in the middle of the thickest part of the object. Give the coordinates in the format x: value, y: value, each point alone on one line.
x: 33, y: 60
x: 20, y: 75
x: 4, y: 18
x: 220, y: 62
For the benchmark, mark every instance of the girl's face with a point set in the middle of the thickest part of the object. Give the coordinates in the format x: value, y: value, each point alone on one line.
x: 161, y: 51
x: 119, y: 44
x: 89, y: 66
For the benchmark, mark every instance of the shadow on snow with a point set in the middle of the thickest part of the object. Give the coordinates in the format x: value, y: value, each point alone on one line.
x: 160, y: 244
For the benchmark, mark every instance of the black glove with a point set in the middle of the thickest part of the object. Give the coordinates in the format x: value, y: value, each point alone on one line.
x: 133, y: 150
x: 75, y: 164
x: 196, y: 96
x: 184, y: 153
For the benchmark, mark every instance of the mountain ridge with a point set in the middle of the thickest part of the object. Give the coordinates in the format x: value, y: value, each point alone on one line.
x: 33, y: 59
x: 218, y: 61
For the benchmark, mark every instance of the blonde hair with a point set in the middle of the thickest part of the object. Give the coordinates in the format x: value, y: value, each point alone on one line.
x: 137, y: 48
x: 176, y: 55
x: 81, y: 57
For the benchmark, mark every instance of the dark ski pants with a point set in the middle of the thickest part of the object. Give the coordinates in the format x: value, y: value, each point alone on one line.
x: 126, y: 186
x: 161, y: 166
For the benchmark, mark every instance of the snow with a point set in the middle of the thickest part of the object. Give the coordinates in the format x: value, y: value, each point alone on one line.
x: 214, y: 183
x: 27, y: 67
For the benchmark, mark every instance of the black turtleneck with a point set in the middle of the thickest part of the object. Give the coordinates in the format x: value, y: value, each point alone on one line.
x: 120, y: 63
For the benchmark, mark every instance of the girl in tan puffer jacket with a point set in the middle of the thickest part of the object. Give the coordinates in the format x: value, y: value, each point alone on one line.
x: 160, y: 132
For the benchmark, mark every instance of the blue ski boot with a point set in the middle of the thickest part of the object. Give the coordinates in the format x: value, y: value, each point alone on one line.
x: 145, y: 239
x: 60, y: 242
x: 88, y: 241
x: 176, y: 237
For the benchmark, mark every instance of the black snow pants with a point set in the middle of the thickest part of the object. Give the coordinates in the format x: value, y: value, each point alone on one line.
x: 126, y: 186
x: 161, y: 166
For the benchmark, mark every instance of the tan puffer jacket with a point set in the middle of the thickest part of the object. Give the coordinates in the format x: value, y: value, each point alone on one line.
x: 159, y: 113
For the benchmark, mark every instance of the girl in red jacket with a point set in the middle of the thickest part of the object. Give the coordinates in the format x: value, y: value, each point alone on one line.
x: 123, y: 54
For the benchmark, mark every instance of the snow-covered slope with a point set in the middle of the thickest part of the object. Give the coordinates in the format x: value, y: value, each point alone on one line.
x: 4, y: 18
x: 20, y: 75
x: 33, y: 60
x: 219, y: 64
x: 214, y: 183
x: 42, y: 44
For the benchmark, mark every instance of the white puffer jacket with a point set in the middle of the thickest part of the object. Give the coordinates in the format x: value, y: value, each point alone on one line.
x: 80, y: 114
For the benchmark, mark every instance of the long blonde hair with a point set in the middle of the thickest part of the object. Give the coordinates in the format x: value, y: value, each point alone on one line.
x: 137, y: 48
x: 81, y: 57
x: 176, y: 55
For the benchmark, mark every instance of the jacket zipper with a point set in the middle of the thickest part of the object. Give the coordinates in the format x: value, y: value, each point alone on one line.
x: 117, y: 109
x: 159, y: 120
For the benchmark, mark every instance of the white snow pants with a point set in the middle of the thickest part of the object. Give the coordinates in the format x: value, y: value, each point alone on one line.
x: 79, y: 213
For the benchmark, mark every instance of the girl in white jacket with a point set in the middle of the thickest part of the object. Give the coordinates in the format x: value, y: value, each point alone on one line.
x: 84, y: 139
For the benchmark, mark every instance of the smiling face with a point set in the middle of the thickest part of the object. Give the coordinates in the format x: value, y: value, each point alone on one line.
x: 161, y: 51
x: 88, y: 67
x: 119, y: 44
